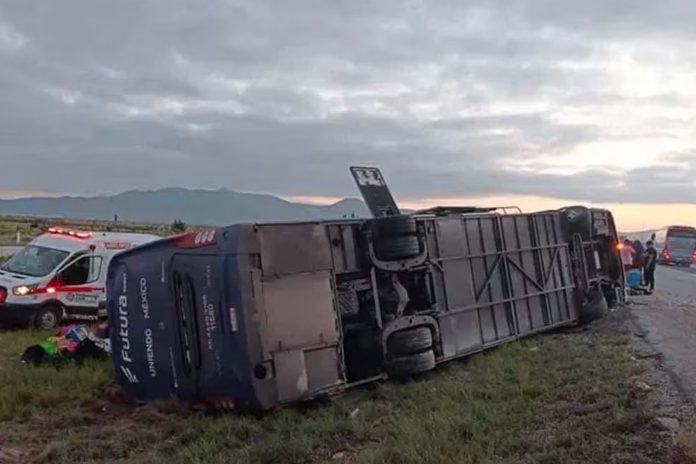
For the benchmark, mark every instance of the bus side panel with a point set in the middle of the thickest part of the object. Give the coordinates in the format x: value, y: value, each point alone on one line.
x: 555, y: 270
x: 461, y: 325
x: 501, y: 277
x: 489, y: 278
x: 519, y: 241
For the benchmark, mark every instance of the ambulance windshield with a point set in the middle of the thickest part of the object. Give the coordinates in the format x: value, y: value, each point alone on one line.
x: 35, y: 261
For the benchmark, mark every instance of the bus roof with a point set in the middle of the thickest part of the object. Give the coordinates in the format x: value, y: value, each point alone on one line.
x: 684, y: 228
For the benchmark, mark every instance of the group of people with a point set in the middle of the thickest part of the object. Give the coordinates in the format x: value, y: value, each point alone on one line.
x: 642, y: 260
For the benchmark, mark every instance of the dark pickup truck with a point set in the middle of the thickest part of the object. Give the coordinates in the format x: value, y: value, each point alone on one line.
x: 254, y: 316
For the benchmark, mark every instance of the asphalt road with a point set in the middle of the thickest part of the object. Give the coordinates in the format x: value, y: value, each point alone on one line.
x: 667, y: 321
x: 678, y: 282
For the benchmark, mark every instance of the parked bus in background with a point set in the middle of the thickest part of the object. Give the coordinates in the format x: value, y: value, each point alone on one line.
x: 678, y: 245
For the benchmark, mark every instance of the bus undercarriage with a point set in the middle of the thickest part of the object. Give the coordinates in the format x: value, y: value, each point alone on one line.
x: 259, y: 315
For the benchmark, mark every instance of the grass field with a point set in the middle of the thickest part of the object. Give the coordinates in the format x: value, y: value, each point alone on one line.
x: 562, y: 398
x: 558, y: 398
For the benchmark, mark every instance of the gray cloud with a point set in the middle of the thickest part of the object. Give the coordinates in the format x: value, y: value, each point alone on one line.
x: 447, y: 97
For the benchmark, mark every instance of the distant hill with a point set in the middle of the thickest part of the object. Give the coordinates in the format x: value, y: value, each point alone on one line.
x: 214, y: 207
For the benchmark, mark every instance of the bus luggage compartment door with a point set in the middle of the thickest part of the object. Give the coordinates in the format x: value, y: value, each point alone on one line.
x: 300, y: 333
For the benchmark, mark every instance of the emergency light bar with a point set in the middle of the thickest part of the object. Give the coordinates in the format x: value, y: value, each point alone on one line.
x: 70, y: 233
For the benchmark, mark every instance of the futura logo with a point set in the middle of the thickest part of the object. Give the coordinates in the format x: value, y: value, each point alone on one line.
x: 129, y: 375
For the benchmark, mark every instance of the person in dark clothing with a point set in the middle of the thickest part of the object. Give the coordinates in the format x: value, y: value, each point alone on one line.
x: 649, y: 264
x: 639, y: 259
x: 639, y: 249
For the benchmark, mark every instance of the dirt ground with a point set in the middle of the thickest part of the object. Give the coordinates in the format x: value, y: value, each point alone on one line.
x: 671, y: 408
x: 663, y: 327
x: 667, y: 323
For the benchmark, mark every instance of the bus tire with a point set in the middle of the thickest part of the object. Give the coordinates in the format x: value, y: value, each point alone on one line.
x: 595, y: 308
x: 405, y: 366
x: 611, y: 297
x: 395, y: 238
x: 393, y: 226
x: 48, y: 317
x: 406, y: 342
x: 397, y: 248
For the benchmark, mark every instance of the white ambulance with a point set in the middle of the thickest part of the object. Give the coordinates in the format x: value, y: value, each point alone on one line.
x: 60, y: 275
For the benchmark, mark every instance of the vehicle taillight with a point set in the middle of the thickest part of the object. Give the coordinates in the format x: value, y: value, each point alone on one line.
x: 3, y: 294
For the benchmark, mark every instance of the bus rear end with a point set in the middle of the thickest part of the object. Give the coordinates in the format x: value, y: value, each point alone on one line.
x: 679, y: 246
x: 178, y: 329
x: 599, y: 274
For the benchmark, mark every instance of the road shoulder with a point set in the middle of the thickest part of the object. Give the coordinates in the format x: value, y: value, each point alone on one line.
x: 662, y: 328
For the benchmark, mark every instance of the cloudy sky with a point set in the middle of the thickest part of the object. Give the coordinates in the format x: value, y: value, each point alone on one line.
x: 535, y: 102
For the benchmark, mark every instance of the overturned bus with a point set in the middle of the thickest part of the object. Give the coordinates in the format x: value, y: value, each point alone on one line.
x: 254, y: 316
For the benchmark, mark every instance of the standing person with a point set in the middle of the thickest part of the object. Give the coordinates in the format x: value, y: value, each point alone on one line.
x: 639, y: 250
x: 639, y: 257
x: 649, y: 266
x: 627, y: 255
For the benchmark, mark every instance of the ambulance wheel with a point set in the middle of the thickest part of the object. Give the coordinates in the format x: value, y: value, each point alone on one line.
x: 48, y: 317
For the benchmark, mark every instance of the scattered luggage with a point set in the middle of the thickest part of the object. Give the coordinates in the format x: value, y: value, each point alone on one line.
x: 72, y: 343
x: 634, y: 279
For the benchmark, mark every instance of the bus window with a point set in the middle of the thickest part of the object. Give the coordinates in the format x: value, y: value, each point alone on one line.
x: 681, y: 237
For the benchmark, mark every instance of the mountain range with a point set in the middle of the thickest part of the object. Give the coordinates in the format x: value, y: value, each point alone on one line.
x: 213, y: 207
x: 195, y: 206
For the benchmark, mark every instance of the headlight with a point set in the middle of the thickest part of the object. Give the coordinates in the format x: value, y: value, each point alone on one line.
x: 23, y: 290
